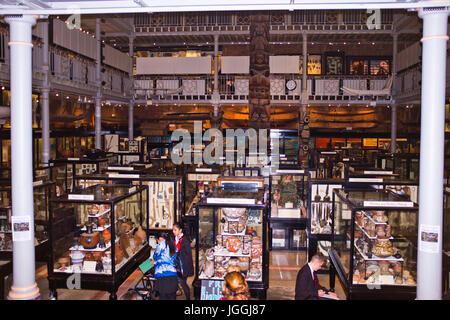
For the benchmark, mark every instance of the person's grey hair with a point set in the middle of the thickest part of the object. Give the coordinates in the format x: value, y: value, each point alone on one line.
x: 318, y: 257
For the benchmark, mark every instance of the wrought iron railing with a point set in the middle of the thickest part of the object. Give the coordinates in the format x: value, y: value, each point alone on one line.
x: 305, y: 17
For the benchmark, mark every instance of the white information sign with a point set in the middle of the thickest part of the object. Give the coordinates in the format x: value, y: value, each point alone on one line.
x: 365, y: 180
x: 396, y: 204
x: 378, y: 172
x: 81, y: 197
x: 119, y: 175
x: 203, y: 170
x: 230, y: 201
x: 290, y: 171
x: 21, y: 228
x: 429, y: 238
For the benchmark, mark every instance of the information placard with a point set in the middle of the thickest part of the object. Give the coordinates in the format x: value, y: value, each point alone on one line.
x: 211, y: 290
x: 429, y: 238
x: 396, y: 204
x: 21, y: 228
x: 290, y: 171
x: 81, y: 197
x: 230, y: 200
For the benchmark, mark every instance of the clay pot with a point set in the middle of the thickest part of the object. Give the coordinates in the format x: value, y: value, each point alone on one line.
x: 141, y: 234
x: 106, y: 234
x: 233, y: 212
x: 124, y: 227
x: 89, y: 240
x: 118, y: 256
x: 233, y: 244
x: 102, y: 221
x: 137, y: 241
x: 209, y: 268
x: 77, y: 257
x: 93, y: 209
x: 124, y: 242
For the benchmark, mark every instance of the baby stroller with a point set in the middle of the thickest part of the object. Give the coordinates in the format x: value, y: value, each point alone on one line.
x: 146, y: 286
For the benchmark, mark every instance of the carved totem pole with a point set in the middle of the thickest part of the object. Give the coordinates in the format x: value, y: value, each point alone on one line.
x: 259, y: 85
x: 304, y: 135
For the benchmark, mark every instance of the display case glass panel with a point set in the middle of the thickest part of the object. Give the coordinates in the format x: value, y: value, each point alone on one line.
x: 42, y: 192
x: 375, y: 238
x: 288, y: 193
x: 232, y: 234
x: 197, y: 183
x: 97, y: 230
x: 164, y: 194
x: 321, y: 205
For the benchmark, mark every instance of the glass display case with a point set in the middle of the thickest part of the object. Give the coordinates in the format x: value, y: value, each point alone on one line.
x: 232, y: 234
x: 320, y: 205
x: 80, y: 166
x: 196, y: 183
x: 99, y: 234
x: 42, y: 192
x: 406, y: 165
x: 288, y: 215
x: 164, y: 193
x: 328, y: 164
x: 320, y: 214
x: 374, y: 244
x: 125, y: 157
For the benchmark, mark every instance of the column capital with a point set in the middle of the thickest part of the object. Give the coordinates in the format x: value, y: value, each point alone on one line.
x: 31, y: 19
x: 432, y: 11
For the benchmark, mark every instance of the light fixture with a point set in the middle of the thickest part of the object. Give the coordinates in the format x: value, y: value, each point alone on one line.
x: 3, y: 88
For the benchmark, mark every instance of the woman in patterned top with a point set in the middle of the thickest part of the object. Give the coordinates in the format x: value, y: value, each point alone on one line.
x: 165, y: 271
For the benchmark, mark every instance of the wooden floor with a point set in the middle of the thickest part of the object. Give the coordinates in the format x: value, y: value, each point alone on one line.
x: 283, y: 269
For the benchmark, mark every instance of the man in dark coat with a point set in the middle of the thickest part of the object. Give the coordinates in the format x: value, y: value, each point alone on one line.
x: 307, y: 285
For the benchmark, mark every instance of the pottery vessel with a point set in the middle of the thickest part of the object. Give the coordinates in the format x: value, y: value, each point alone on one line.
x: 233, y: 244
x: 89, y: 240
x: 233, y: 212
x: 93, y: 209
x: 106, y: 234
x: 141, y: 234
x: 77, y: 257
x: 118, y: 254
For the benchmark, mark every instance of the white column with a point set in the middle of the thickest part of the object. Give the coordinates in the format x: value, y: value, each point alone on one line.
x: 131, y: 104
x: 304, y: 96
x: 45, y: 103
x: 24, y: 283
x: 98, y: 98
x: 394, y: 105
x: 216, y: 96
x: 434, y: 55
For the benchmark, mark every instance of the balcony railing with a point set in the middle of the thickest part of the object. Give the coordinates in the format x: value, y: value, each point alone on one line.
x: 326, y: 89
x: 68, y: 69
x: 215, y: 21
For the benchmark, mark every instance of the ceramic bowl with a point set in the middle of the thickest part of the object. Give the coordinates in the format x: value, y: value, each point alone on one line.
x: 233, y: 212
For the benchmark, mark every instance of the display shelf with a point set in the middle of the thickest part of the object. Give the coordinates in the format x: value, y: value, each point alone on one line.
x: 99, y: 228
x: 367, y: 235
x: 99, y: 214
x: 375, y: 258
x: 371, y: 219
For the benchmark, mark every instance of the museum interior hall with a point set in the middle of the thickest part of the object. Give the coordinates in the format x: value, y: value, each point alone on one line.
x: 271, y: 132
